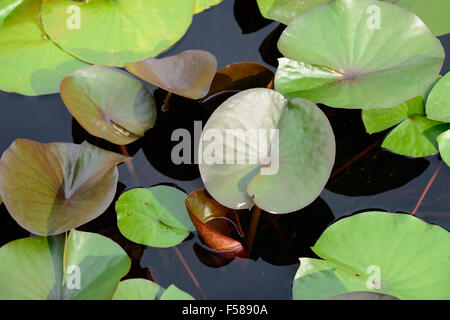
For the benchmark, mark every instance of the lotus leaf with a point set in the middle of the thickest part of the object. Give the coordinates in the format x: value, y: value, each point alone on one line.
x: 113, y: 32
x: 290, y: 176
x: 438, y: 102
x: 109, y: 103
x: 202, y: 5
x: 393, y: 254
x: 357, y: 54
x: 155, y: 216
x: 444, y: 146
x: 31, y: 64
x: 87, y: 266
x: 188, y: 74
x: 52, y: 188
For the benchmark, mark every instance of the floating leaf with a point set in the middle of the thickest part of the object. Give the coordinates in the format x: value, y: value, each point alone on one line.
x: 438, y: 102
x: 408, y: 138
x: 109, y: 103
x: 52, y: 188
x: 283, y: 180
x: 86, y: 267
x: 136, y: 289
x: 115, y: 32
x: 155, y: 216
x: 241, y: 76
x: 202, y: 5
x: 215, y: 223
x: 342, y: 56
x: 444, y: 146
x: 285, y: 11
x: 409, y: 255
x: 188, y: 74
x: 31, y: 63
x: 173, y: 293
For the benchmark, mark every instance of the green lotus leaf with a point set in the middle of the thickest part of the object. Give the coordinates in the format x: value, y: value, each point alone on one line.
x: 444, y: 146
x: 86, y: 267
x: 287, y: 178
x: 113, y: 32
x: 285, y: 11
x: 173, y: 293
x: 438, y: 102
x: 31, y: 63
x: 433, y: 13
x: 392, y: 254
x: 379, y: 119
x: 137, y: 289
x: 434, y: 132
x: 408, y: 138
x: 156, y: 216
x: 52, y: 188
x: 109, y: 103
x: 357, y: 54
x: 202, y: 5
x: 188, y: 74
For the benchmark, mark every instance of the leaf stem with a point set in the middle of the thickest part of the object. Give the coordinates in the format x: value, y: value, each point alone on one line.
x: 433, y: 177
x: 191, y: 274
x: 165, y: 107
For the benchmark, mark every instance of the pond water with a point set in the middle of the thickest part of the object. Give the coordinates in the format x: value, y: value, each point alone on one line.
x: 365, y: 177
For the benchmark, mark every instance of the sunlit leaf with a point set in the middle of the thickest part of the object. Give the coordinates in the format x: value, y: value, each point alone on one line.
x: 285, y: 11
x: 87, y: 267
x: 155, y: 216
x: 444, y: 146
x: 173, y: 293
x: 215, y: 223
x: 31, y: 64
x: 52, y: 188
x: 278, y: 181
x: 136, y: 289
x: 188, y: 74
x: 438, y: 102
x: 112, y: 32
x: 241, y: 76
x: 362, y: 296
x: 201, y: 5
x: 109, y: 103
x: 342, y: 55
x: 399, y: 254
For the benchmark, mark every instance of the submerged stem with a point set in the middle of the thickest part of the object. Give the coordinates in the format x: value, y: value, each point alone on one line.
x: 165, y: 107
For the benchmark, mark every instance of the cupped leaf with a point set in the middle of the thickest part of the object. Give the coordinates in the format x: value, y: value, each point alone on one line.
x: 258, y: 148
x: 393, y: 254
x: 433, y: 13
x: 173, y: 293
x: 188, y: 74
x: 156, y: 216
x: 215, y: 223
x: 112, y: 32
x: 241, y: 76
x: 438, y: 102
x: 31, y: 64
x: 408, y: 138
x: 137, y: 289
x: 109, y: 103
x: 285, y: 11
x: 444, y: 146
x: 52, y: 188
x: 202, y: 5
x: 86, y: 267
x: 357, y: 54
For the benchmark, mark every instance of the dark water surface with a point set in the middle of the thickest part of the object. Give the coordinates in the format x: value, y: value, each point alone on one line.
x: 365, y: 176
